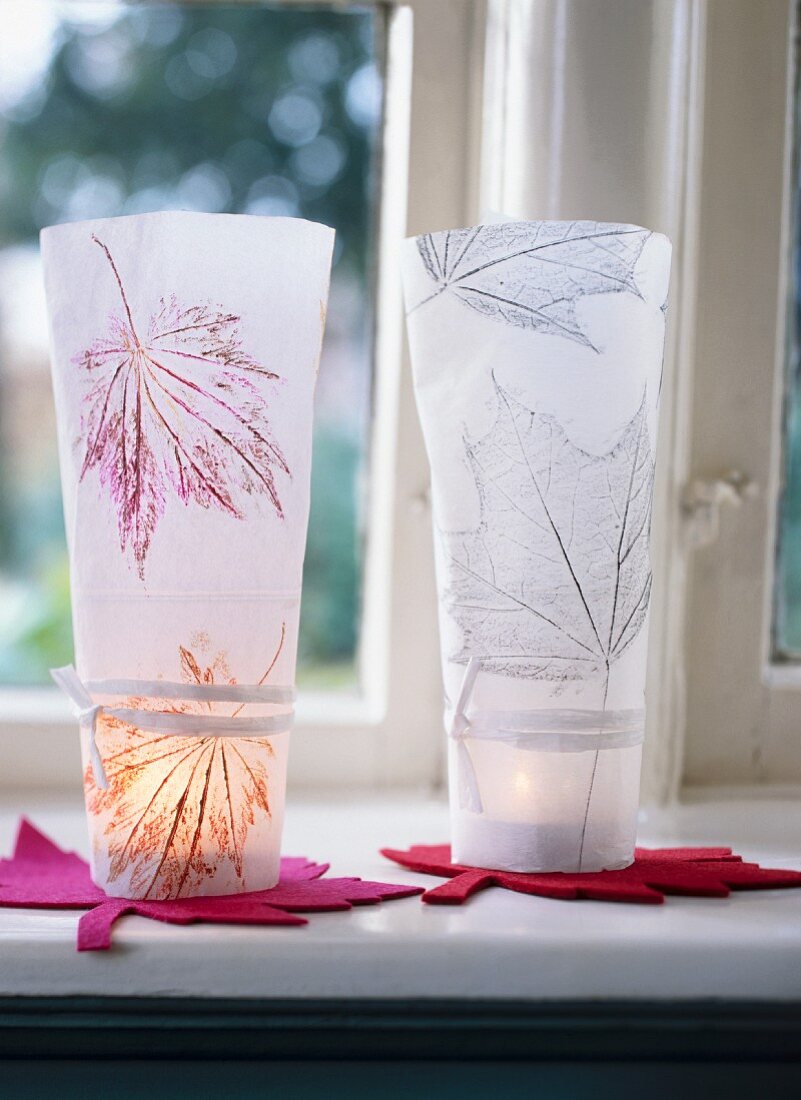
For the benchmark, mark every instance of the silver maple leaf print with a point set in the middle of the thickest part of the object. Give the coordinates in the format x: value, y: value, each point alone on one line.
x: 532, y: 275
x: 555, y: 580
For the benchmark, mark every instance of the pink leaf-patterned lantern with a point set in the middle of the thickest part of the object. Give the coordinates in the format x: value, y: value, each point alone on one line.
x: 185, y: 351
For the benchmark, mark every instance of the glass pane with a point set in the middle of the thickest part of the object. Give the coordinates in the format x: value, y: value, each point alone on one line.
x: 787, y: 593
x: 112, y: 109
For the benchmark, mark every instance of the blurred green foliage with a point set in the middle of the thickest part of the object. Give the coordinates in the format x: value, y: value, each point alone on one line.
x: 787, y: 593
x: 787, y: 610
x: 43, y: 636
x: 240, y: 108
x: 331, y: 579
x: 252, y: 108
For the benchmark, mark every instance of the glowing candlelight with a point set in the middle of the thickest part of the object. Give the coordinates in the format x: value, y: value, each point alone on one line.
x: 185, y: 350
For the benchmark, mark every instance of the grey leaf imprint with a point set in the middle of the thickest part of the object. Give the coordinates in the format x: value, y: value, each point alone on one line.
x: 531, y: 275
x: 554, y: 583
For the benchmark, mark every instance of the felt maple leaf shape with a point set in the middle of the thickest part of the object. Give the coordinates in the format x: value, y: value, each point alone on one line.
x: 42, y: 876
x: 656, y: 872
x: 175, y: 404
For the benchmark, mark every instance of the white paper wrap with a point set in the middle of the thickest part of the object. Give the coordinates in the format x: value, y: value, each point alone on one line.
x: 185, y: 350
x: 537, y: 352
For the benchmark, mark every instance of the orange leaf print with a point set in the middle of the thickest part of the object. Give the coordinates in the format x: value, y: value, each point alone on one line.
x: 180, y: 807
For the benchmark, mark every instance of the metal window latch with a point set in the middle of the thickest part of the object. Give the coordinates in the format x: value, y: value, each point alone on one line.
x: 703, y: 499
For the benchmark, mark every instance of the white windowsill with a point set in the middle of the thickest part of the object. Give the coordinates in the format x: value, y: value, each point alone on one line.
x: 499, y: 945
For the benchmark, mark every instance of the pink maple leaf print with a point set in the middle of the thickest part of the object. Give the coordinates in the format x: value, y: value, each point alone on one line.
x: 175, y: 406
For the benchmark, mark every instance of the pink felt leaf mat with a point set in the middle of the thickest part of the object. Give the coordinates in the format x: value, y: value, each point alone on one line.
x: 41, y: 876
x: 655, y: 873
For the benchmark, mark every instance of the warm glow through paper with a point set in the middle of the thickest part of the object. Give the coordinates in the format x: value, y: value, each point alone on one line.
x: 185, y: 356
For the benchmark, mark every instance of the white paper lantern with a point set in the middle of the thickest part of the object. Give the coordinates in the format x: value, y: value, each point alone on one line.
x: 185, y: 351
x: 537, y: 352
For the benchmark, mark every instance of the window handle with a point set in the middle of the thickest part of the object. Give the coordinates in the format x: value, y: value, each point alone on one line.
x: 703, y: 498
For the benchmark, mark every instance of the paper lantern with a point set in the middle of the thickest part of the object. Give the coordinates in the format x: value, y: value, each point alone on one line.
x: 537, y: 355
x: 185, y: 351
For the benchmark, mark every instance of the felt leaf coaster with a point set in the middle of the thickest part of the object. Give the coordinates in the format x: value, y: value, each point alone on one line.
x: 42, y: 876
x: 655, y: 873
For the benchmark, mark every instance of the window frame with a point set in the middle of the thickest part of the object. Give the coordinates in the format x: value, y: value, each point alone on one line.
x: 690, y: 132
x: 477, y: 117
x: 390, y: 733
x: 744, y: 712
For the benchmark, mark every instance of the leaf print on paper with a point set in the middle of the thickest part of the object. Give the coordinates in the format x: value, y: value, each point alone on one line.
x: 554, y: 582
x: 532, y: 275
x: 180, y: 806
x: 176, y: 406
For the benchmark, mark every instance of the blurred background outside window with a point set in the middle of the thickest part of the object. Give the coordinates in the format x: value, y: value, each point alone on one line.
x: 109, y: 109
x: 787, y: 594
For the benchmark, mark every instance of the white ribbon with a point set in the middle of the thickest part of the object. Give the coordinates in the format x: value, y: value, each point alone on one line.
x: 557, y: 730
x: 170, y: 723
x: 469, y: 793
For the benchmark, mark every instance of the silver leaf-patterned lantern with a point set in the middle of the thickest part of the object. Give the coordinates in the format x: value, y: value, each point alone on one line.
x: 537, y: 351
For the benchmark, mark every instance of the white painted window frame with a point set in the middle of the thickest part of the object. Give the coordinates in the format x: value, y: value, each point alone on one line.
x: 744, y: 718
x: 677, y: 115
x: 391, y: 733
x: 556, y: 108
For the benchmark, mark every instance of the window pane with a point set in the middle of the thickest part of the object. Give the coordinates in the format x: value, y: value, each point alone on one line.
x: 787, y: 593
x: 111, y: 109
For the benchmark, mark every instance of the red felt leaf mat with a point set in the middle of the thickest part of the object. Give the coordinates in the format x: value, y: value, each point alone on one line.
x: 655, y: 872
x: 42, y: 876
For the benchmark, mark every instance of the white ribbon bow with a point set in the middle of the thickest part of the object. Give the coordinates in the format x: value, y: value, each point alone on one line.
x: 557, y: 730
x: 168, y: 722
x: 469, y: 793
